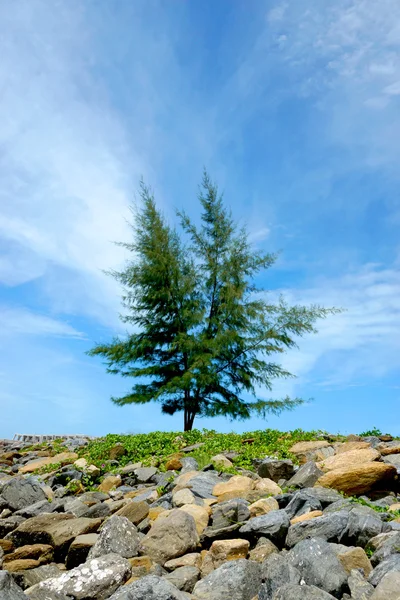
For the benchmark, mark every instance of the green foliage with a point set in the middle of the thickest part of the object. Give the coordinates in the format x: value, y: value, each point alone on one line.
x: 374, y: 431
x: 204, y: 333
x: 159, y: 445
x: 47, y: 469
x: 395, y: 514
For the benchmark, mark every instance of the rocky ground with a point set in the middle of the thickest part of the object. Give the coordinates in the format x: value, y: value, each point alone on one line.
x: 323, y: 525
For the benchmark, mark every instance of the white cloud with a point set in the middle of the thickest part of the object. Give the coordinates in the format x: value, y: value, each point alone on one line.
x: 23, y: 321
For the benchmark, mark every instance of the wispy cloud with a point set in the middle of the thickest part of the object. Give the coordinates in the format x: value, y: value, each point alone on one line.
x: 25, y: 322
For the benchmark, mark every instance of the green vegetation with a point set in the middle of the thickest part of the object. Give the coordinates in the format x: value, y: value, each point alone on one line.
x: 156, y: 447
x: 395, y: 514
x: 205, y: 333
x: 374, y: 431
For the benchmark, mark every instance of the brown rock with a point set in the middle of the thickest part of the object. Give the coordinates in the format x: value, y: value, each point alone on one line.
x: 193, y: 559
x: 21, y: 565
x: 223, y: 550
x: 236, y: 485
x: 350, y: 446
x: 394, y: 507
x: 387, y: 450
x: 141, y: 565
x: 349, y: 459
x: 267, y: 486
x: 386, y: 437
x: 200, y: 514
x: 174, y: 463
x: 79, y: 549
x: 358, y: 479
x: 41, y: 552
x: 183, y: 480
x: 207, y: 564
x: 64, y: 458
x: 262, y: 551
x: 134, y: 511
x: 155, y: 512
x: 219, y: 460
x: 110, y: 482
x: 305, y: 447
x: 353, y: 438
x: 117, y: 451
x: 306, y: 517
x: 355, y: 558
x: 263, y: 506
x: 6, y: 545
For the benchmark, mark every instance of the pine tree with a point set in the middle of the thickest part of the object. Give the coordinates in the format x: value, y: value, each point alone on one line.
x: 203, y: 333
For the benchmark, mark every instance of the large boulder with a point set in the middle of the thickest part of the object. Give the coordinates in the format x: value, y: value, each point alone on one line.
x: 301, y: 504
x: 171, y: 536
x: 274, y: 526
x: 9, y: 590
x: 117, y: 536
x: 229, y: 512
x: 387, y: 547
x: 359, y: 479
x: 329, y: 527
x: 19, y: 493
x: 319, y: 566
x: 362, y: 525
x: 301, y: 592
x: 388, y: 588
x: 64, y: 458
x: 386, y: 566
x: 97, y: 578
x: 306, y: 476
x: 350, y: 459
x: 277, y: 572
x: 235, y: 580
x: 149, y: 587
x: 276, y: 469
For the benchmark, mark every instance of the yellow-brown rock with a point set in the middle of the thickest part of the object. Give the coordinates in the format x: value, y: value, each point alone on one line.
x: 223, y: 550
x: 306, y: 517
x: 355, y: 558
x: 193, y: 559
x: 200, y: 514
x: 155, y: 512
x: 349, y: 459
x: 134, y: 511
x: 6, y: 545
x: 304, y: 447
x: 385, y: 451
x: 182, y: 497
x: 236, y: 485
x: 110, y: 482
x: 174, y: 463
x: 207, y: 564
x: 394, y: 507
x: 183, y: 480
x: 41, y: 552
x: 358, y: 479
x: 263, y: 506
x: 267, y: 486
x: 350, y: 446
x: 21, y: 565
x: 261, y: 552
x: 64, y: 458
x: 141, y: 565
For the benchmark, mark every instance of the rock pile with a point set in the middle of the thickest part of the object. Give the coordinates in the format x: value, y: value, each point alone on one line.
x: 279, y: 532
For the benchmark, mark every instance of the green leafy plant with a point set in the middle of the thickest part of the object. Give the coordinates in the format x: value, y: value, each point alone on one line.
x: 371, y: 432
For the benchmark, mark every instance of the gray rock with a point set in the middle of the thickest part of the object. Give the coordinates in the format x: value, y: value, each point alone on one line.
x: 276, y: 469
x: 30, y: 577
x: 9, y: 524
x: 372, y: 439
x: 145, y: 474
x: 184, y: 578
x: 361, y: 527
x: 20, y: 493
x: 229, y: 512
x: 36, y: 594
x: 306, y: 476
x: 343, y: 504
x: 359, y: 587
x: 389, y: 547
x: 38, y: 508
x: 328, y: 527
x: 386, y: 566
x: 203, y: 484
x: 274, y: 526
x: 319, y: 566
x: 277, y: 571
x: 171, y: 537
x: 234, y: 580
x: 99, y: 510
x: 189, y: 464
x: 119, y: 536
x: 393, y: 459
x: 302, y: 503
x: 75, y: 507
x: 301, y: 592
x: 97, y: 578
x: 9, y: 590
x: 79, y: 549
x: 325, y: 495
x: 149, y: 587
x: 388, y: 588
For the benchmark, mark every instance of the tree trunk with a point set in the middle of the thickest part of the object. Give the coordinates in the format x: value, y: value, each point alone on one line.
x: 189, y: 416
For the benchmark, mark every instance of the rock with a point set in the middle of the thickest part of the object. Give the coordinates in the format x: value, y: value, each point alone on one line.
x: 174, y: 463
x: 9, y: 524
x: 361, y: 527
x: 306, y: 476
x: 202, y: 484
x: 97, y: 578
x: 182, y: 497
x: 27, y: 579
x: 386, y: 566
x: 328, y: 527
x: 9, y: 590
x: 277, y: 572
x: 184, y: 578
x: 64, y: 458
x: 57, y: 530
x: 145, y: 474
x: 348, y: 460
x: 230, y: 512
x: 301, y: 592
x: 263, y: 507
x: 302, y: 503
x: 117, y: 536
x: 192, y: 559
x: 234, y: 580
x: 19, y: 493
x: 386, y: 548
x: 274, y: 526
x: 42, y: 552
x: 237, y: 485
x: 387, y: 449
x: 393, y: 459
x: 276, y: 469
x: 200, y: 514
x: 263, y: 550
x: 350, y: 446
x: 79, y: 549
x: 319, y: 566
x: 223, y: 550
x: 355, y: 558
x: 117, y: 451
x: 305, y: 447
x: 134, y: 511
x: 110, y: 482
x: 306, y: 517
x: 93, y: 471
x: 22, y: 564
x: 189, y: 464
x: 388, y: 588
x: 171, y: 537
x: 267, y: 486
x: 360, y: 589
x: 150, y: 587
x: 325, y: 496
x: 221, y: 460
x: 358, y: 479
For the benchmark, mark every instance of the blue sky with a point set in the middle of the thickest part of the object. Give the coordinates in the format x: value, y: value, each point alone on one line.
x: 294, y: 109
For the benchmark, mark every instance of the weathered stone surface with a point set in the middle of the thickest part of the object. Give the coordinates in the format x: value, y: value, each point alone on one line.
x: 234, y: 580
x: 358, y: 479
x: 97, y: 578
x: 117, y: 451
x: 150, y: 587
x: 9, y: 524
x: 362, y: 525
x: 393, y: 459
x: 223, y: 550
x: 355, y: 558
x: 21, y: 564
x: 328, y: 527
x: 57, y: 530
x: 302, y: 503
x: 267, y: 486
x: 221, y: 460
x: 202, y: 484
x: 174, y: 463
x: 306, y: 517
x: 193, y: 559
x: 110, y: 482
x: 350, y: 446
x: 171, y: 537
x: 27, y: 579
x: 359, y: 587
x: 386, y: 566
x: 134, y: 511
x: 319, y: 565
x: 277, y: 572
x: 386, y: 547
x: 301, y: 592
x: 263, y: 550
x: 64, y: 458
x: 117, y: 536
x: 273, y: 526
x: 184, y: 578
x: 9, y: 590
x: 79, y: 549
x: 263, y: 507
x: 19, y: 493
x: 236, y: 485
x: 388, y: 588
x: 182, y: 497
x: 43, y: 552
x: 349, y: 459
x: 306, y: 476
x: 145, y: 474
x: 200, y: 514
x: 305, y: 447
x: 276, y: 469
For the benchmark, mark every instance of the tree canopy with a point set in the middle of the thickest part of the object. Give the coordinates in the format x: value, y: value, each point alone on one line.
x: 203, y: 338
